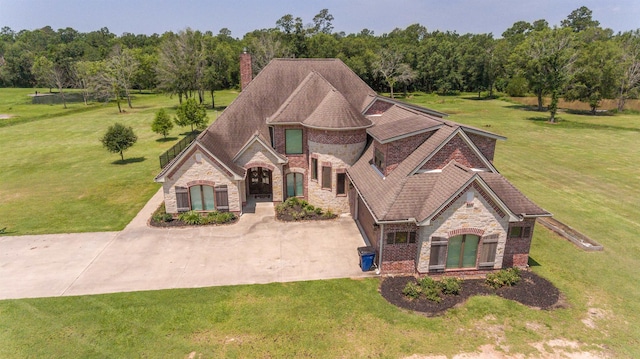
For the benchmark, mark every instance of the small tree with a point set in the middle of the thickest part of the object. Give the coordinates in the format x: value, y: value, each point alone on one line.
x: 118, y: 138
x: 162, y: 123
x: 190, y: 113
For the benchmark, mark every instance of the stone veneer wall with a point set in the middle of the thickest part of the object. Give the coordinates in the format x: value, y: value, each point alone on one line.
x: 339, y: 150
x: 258, y: 156
x: 192, y: 171
x: 456, y: 149
x: 481, y: 216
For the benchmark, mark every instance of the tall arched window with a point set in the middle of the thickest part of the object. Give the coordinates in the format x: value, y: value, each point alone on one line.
x: 295, y: 185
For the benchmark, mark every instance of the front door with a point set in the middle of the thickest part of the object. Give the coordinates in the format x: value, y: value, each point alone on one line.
x: 260, y: 181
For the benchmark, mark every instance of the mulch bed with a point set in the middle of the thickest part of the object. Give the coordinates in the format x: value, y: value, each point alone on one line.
x: 532, y: 290
x: 287, y: 215
x: 179, y: 223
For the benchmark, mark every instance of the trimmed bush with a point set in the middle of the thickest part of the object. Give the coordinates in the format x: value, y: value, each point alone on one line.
x: 504, y: 277
x: 412, y: 290
x: 450, y: 285
x: 191, y: 217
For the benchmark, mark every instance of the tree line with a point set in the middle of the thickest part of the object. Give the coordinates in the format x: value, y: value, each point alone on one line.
x: 577, y: 60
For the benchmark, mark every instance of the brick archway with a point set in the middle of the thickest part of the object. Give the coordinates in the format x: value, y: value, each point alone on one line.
x: 456, y: 232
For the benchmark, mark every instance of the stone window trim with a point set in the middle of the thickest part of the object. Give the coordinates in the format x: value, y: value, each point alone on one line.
x: 341, y: 184
x: 313, y: 167
x: 326, y: 176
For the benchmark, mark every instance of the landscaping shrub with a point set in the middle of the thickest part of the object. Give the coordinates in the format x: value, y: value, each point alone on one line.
x: 295, y: 209
x: 161, y: 215
x: 450, y: 285
x: 412, y: 290
x: 431, y: 289
x: 191, y: 217
x: 504, y: 277
x: 218, y: 217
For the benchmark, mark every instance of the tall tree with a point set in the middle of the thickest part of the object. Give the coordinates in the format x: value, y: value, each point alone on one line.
x: 322, y: 23
x: 391, y: 67
x: 191, y: 113
x: 122, y: 67
x: 181, y: 63
x: 580, y: 19
x: 629, y: 43
x: 50, y: 74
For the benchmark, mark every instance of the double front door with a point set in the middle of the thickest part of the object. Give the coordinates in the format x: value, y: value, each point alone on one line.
x: 260, y: 181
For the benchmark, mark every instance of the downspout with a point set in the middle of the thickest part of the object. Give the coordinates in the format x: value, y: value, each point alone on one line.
x: 381, y: 247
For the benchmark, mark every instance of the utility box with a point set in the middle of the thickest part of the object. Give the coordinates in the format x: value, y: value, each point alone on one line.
x: 367, y: 256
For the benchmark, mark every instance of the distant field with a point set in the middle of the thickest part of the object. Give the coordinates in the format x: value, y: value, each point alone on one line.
x: 56, y: 176
x: 584, y: 170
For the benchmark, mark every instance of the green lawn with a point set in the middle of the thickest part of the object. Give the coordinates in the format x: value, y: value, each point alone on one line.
x: 583, y: 170
x: 56, y: 176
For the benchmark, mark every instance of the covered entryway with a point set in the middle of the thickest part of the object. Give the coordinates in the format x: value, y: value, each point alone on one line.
x: 260, y: 182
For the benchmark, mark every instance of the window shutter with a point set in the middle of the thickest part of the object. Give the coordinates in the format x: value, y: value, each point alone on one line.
x: 438, y: 256
x: 182, y: 199
x: 222, y: 198
x: 488, y: 251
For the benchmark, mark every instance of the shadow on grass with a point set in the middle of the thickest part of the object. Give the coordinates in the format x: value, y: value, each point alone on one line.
x: 533, y: 263
x: 481, y: 98
x: 128, y: 160
x: 580, y: 125
x: 589, y: 113
x: 168, y: 139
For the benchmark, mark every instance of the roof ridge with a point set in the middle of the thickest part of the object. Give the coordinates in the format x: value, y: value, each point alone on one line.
x: 302, y: 85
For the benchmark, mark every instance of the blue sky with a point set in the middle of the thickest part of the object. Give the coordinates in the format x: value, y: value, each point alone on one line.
x: 351, y: 16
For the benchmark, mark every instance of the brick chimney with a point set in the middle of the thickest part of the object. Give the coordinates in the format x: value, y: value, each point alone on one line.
x: 246, y: 72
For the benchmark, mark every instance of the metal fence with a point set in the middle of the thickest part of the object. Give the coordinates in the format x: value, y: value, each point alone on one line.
x: 174, y: 151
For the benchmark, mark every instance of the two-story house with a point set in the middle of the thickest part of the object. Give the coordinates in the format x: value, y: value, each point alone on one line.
x: 422, y: 189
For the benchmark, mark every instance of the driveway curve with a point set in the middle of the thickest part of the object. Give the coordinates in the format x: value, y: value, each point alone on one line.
x: 257, y: 249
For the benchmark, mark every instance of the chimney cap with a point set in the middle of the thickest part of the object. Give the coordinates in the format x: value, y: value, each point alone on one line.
x: 244, y: 51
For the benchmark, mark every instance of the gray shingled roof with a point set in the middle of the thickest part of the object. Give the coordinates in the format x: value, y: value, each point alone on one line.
x: 265, y: 95
x: 398, y: 121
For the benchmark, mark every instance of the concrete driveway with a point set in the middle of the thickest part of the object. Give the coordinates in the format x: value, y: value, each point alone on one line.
x: 257, y: 249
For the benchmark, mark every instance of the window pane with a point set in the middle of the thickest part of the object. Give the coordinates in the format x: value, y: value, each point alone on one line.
x: 412, y: 237
x: 390, y: 237
x: 293, y: 141
x: 314, y: 168
x: 341, y: 180
x: 326, y: 177
x: 437, y: 254
x: 378, y: 160
x: 196, y: 198
x: 291, y: 185
x: 299, y: 185
x: 488, y: 253
x: 515, y: 232
x: 453, y: 254
x: 401, y: 237
x: 526, y: 233
x: 470, y: 251
x: 207, y: 191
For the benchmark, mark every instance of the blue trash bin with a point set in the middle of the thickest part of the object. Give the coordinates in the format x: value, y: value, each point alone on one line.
x: 367, y: 255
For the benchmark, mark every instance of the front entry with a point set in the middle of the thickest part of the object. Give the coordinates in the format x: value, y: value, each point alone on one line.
x: 260, y: 181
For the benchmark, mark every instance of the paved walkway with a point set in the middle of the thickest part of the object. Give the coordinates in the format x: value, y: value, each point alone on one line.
x: 257, y: 249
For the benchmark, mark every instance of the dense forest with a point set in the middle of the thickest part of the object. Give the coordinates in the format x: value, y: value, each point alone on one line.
x: 577, y: 59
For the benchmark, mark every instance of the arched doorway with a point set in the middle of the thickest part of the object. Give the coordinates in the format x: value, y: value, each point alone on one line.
x: 260, y: 181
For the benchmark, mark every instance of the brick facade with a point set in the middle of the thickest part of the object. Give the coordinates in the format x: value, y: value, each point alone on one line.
x: 398, y: 151
x: 516, y: 253
x: 246, y: 72
x: 486, y: 145
x: 456, y: 149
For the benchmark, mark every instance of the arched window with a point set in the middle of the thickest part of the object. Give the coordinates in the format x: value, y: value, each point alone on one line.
x: 295, y: 184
